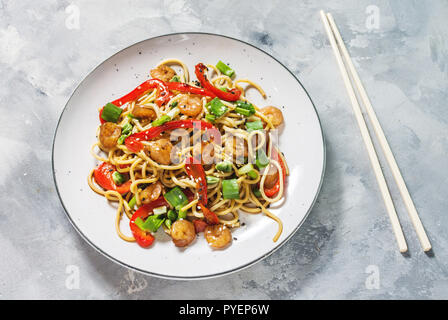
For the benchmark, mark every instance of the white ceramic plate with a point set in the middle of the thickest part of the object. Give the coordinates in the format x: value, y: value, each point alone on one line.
x: 301, y: 141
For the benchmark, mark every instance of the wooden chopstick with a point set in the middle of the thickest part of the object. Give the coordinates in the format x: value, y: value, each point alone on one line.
x: 412, y: 211
x: 396, y: 227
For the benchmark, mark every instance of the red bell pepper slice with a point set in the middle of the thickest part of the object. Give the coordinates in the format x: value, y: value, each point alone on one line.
x: 183, y: 87
x: 133, y: 141
x: 164, y: 94
x: 231, y: 95
x: 196, y: 172
x: 103, y: 176
x: 199, y: 225
x: 144, y: 238
x: 210, y: 216
x: 272, y: 191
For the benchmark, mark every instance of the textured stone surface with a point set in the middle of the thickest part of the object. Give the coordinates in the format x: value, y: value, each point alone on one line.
x: 404, y: 66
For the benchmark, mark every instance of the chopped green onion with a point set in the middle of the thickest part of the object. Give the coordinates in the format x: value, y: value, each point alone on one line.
x: 224, y: 166
x: 256, y: 192
x: 225, y: 69
x: 245, y: 105
x: 210, y: 118
x: 159, y: 210
x: 118, y: 178
x: 173, y: 113
x: 176, y: 198
x: 245, y: 108
x: 230, y: 189
x: 262, y: 159
x: 253, y: 174
x: 122, y: 138
x: 130, y: 116
x: 111, y: 113
x: 168, y: 223
x: 125, y: 132
x: 172, y: 215
x: 244, y: 112
x: 127, y: 128
x: 139, y: 222
x: 207, y: 105
x: 175, y: 79
x: 254, y: 125
x: 249, y: 170
x: 132, y: 202
x: 174, y: 104
x: 212, y: 180
x: 245, y: 169
x: 182, y: 214
x: 223, y: 89
x: 160, y: 121
x: 152, y: 223
x: 217, y: 108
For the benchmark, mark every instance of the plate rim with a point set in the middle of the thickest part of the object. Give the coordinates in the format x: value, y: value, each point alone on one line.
x: 209, y: 276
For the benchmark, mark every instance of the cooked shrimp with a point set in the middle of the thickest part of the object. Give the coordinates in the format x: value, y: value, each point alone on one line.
x: 151, y: 192
x: 182, y: 233
x: 142, y: 112
x: 273, y: 114
x: 218, y: 236
x: 190, y: 105
x: 160, y: 151
x: 236, y: 148
x: 163, y: 73
x: 109, y: 134
x: 271, y: 177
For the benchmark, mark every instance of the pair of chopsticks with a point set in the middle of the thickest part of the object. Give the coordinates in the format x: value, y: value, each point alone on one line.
x: 338, y: 46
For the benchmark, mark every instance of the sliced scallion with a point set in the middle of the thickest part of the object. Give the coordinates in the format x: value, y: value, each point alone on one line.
x: 152, y: 223
x: 230, y: 189
x: 125, y: 132
x: 172, y: 215
x: 249, y: 170
x: 111, y: 113
x: 254, y: 125
x: 212, y: 180
x: 245, y: 108
x: 225, y: 69
x: 262, y: 159
x: 127, y: 128
x: 224, y: 166
x: 217, y: 108
x: 132, y: 202
x: 173, y: 113
x: 182, y: 214
x: 160, y: 121
x: 176, y: 198
x: 168, y: 223
x: 123, y: 138
x: 243, y: 111
x: 118, y: 178
x: 210, y: 118
x: 159, y: 210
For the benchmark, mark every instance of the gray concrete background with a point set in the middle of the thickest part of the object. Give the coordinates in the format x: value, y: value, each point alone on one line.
x: 404, y: 66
